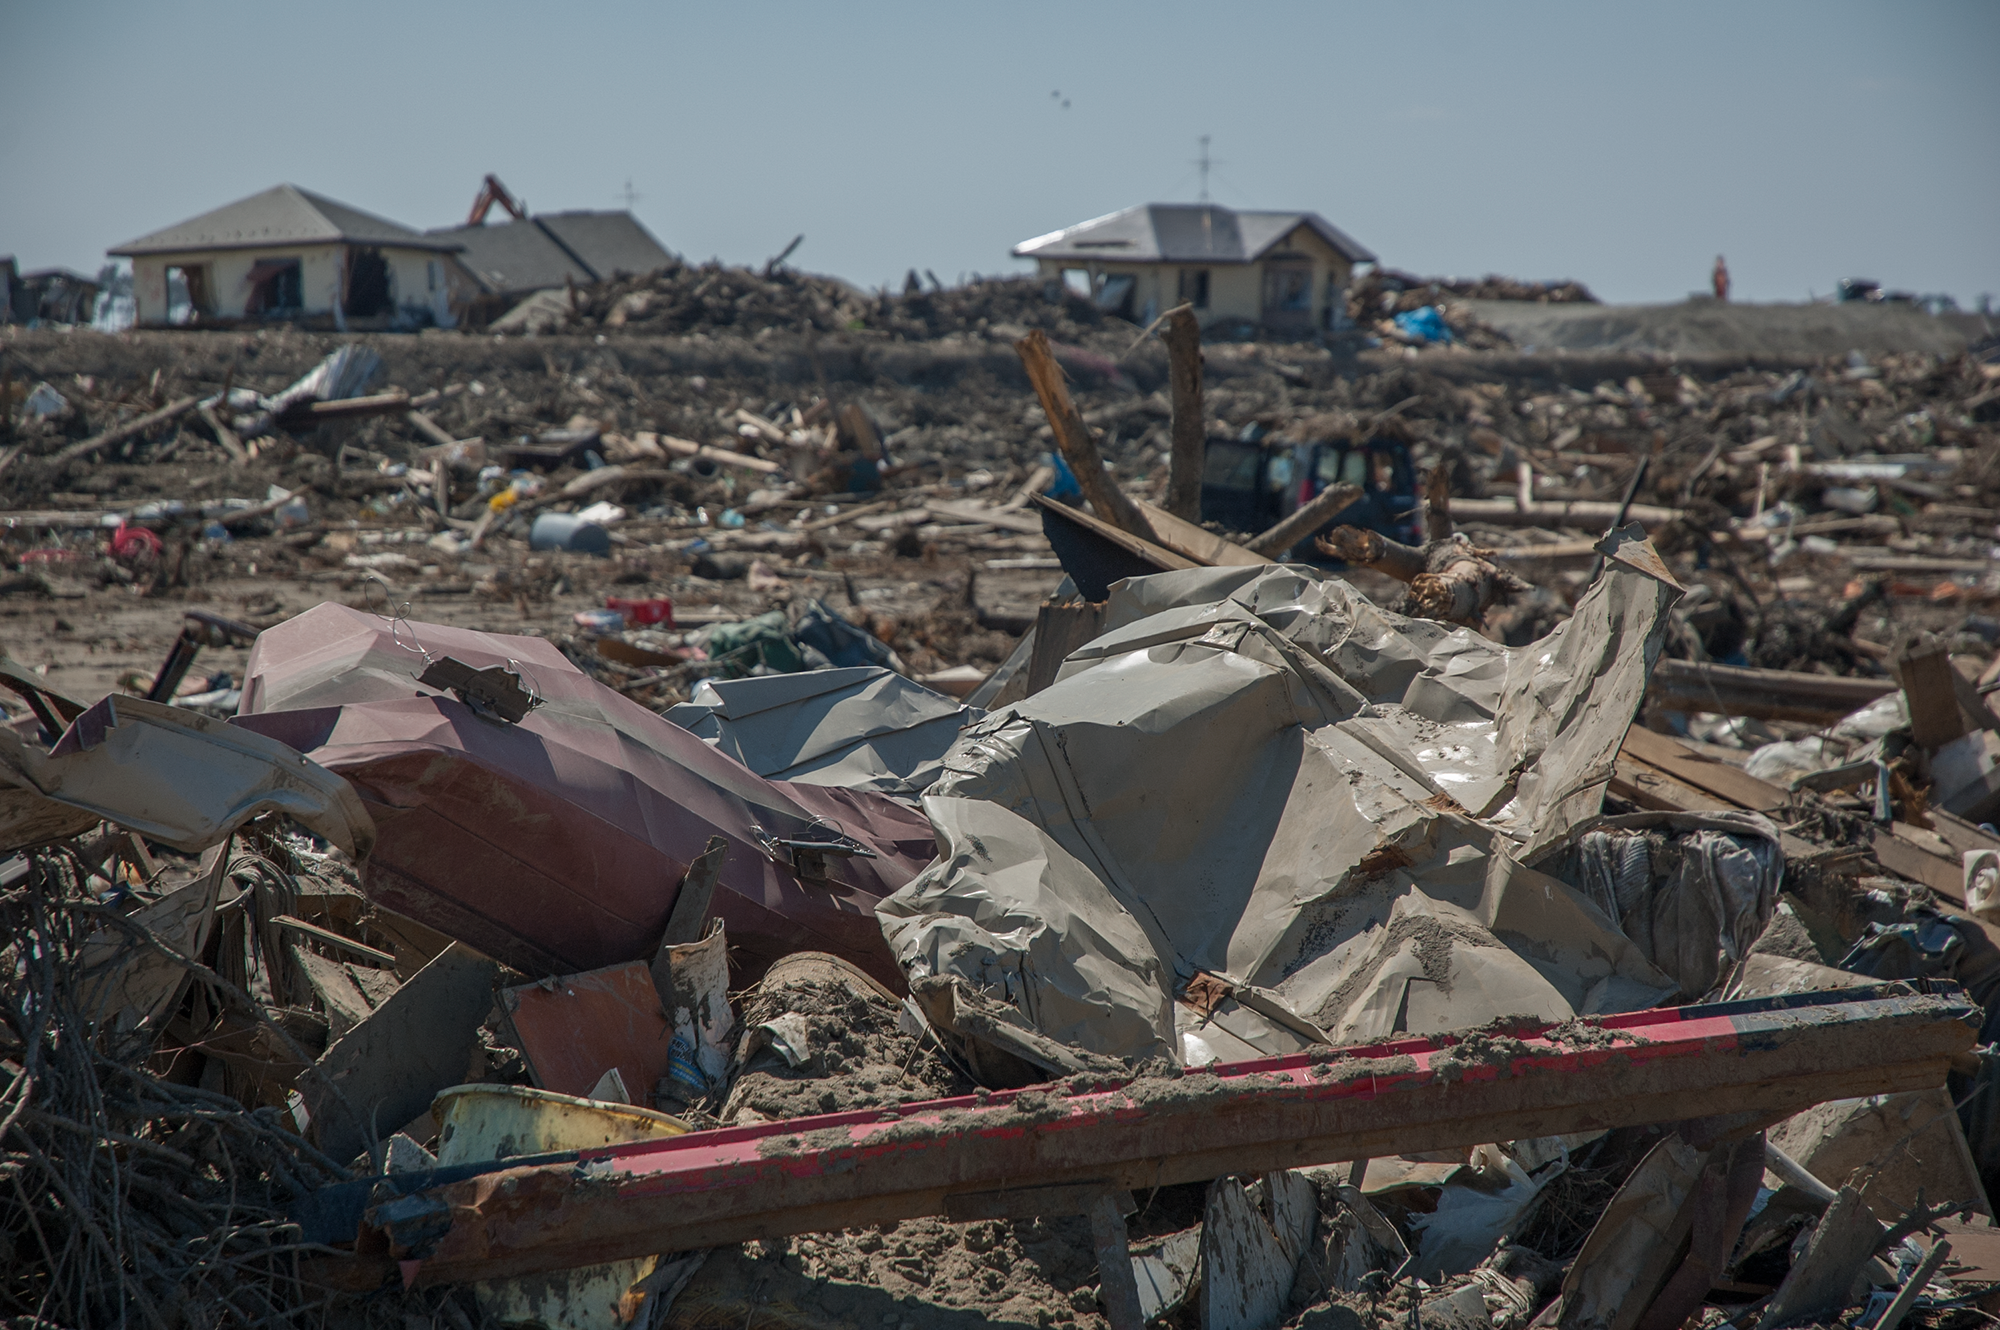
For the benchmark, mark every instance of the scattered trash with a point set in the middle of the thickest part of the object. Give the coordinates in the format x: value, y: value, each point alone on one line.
x: 807, y: 910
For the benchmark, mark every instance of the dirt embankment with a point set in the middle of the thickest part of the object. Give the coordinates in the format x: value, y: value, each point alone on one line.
x: 1712, y: 328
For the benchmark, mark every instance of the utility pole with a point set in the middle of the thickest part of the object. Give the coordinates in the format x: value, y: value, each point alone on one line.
x: 630, y: 195
x: 1203, y: 162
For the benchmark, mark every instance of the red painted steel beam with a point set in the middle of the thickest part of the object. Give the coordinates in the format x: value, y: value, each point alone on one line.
x: 1771, y: 1057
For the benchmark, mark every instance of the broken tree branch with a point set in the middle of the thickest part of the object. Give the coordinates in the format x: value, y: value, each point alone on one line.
x: 1073, y: 437
x: 1190, y: 428
x: 1305, y: 519
x: 1450, y: 579
x: 1372, y: 549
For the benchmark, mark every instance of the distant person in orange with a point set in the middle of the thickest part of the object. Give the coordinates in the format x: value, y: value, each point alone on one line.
x: 1721, y: 277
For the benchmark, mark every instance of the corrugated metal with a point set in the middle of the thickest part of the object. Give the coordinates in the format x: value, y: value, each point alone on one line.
x: 558, y: 844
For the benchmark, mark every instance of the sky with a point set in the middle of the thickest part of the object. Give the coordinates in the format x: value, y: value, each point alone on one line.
x: 1621, y: 144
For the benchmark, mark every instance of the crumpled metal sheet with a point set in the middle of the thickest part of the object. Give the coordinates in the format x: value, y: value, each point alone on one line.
x: 1009, y: 909
x: 860, y: 728
x: 1322, y: 804
x: 171, y: 775
x: 557, y: 844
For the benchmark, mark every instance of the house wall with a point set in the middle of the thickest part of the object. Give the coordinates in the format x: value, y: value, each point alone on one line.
x: 1235, y: 290
x: 322, y: 270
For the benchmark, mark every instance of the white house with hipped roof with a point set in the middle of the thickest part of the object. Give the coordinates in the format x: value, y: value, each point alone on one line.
x: 1287, y: 271
x: 291, y: 253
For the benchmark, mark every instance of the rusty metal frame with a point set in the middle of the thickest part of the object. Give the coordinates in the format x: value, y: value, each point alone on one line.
x: 1759, y: 1059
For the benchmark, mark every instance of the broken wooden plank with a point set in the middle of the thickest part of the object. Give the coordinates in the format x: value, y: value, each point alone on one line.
x: 1095, y: 553
x: 1906, y: 859
x: 1059, y: 630
x: 1590, y: 514
x: 422, y: 423
x: 350, y: 408
x: 223, y: 434
x: 690, y: 912
x: 1193, y: 542
x: 152, y: 420
x: 1657, y: 791
x: 1734, y: 784
x: 1736, y: 690
x: 1190, y: 422
x: 1304, y: 520
x: 1073, y: 437
x: 327, y: 935
x: 1923, y: 667
x: 387, y: 1069
x: 1007, y: 519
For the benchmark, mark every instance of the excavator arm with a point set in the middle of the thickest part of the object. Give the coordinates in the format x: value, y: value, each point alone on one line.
x: 490, y: 193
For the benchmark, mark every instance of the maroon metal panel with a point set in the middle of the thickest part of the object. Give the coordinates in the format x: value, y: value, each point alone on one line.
x: 557, y: 845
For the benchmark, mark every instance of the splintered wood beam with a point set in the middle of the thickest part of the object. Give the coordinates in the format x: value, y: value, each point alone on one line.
x: 1738, y: 690
x: 119, y: 433
x: 1305, y: 519
x: 1758, y: 1059
x: 1190, y: 427
x: 1073, y: 437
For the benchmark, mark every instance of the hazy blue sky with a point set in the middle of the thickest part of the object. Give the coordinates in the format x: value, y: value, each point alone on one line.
x: 1619, y: 143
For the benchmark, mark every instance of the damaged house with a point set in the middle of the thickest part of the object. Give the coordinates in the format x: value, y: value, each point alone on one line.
x: 1286, y: 271
x: 546, y: 251
x: 289, y: 253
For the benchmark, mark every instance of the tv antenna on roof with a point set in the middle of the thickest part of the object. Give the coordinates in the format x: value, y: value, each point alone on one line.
x: 629, y: 195
x: 1204, y: 162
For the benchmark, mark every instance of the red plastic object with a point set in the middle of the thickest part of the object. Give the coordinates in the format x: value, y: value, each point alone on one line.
x: 1742, y: 1062
x: 37, y: 558
x: 638, y: 613
x: 133, y: 542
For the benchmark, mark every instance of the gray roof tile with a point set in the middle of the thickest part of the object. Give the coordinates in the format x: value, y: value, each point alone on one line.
x: 1185, y: 233
x: 281, y: 215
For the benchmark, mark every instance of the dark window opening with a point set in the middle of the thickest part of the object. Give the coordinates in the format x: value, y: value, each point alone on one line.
x: 367, y: 283
x: 276, y: 287
x: 1194, y: 287
x: 1115, y: 296
x: 1288, y: 288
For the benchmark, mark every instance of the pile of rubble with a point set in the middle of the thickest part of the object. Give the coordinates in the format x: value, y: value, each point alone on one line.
x: 1382, y: 291
x: 715, y: 298
x: 1575, y: 904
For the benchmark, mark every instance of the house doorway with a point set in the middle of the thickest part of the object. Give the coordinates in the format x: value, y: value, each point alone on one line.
x: 367, y: 283
x: 1288, y: 296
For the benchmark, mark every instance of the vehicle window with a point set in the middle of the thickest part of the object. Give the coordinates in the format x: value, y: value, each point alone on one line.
x: 1230, y: 467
